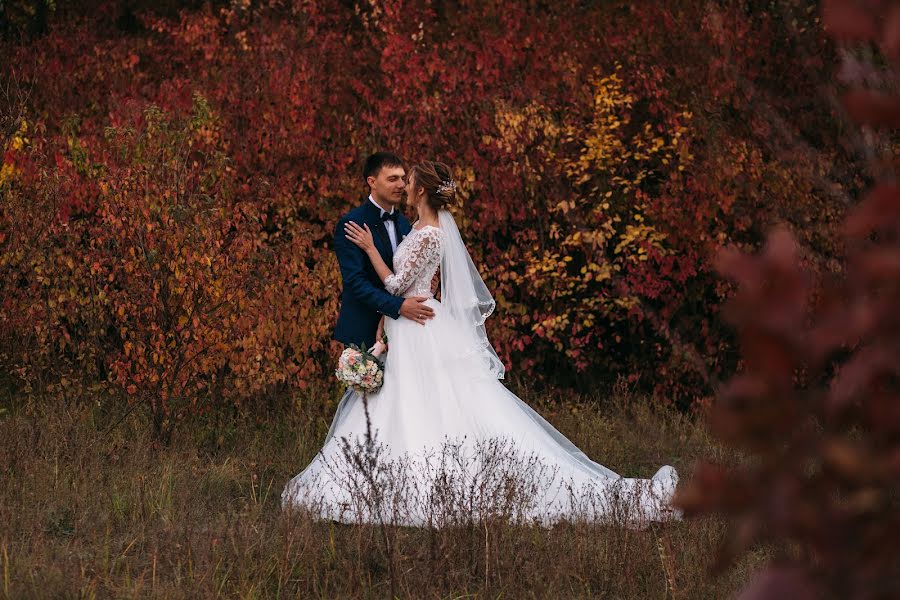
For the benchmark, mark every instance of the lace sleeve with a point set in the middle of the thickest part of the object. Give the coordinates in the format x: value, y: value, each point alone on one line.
x: 424, y: 252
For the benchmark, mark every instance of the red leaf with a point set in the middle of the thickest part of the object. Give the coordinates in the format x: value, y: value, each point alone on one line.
x: 845, y: 19
x: 874, y: 211
x: 891, y: 36
x: 873, y: 108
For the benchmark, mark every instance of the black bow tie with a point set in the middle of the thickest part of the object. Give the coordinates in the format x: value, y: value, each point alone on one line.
x: 390, y: 216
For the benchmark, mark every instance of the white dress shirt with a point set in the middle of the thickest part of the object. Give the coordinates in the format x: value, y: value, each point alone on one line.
x: 389, y: 225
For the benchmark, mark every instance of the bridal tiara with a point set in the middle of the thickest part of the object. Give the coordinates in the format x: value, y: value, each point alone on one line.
x: 446, y: 186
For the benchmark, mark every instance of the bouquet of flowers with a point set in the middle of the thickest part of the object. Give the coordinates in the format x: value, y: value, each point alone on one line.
x: 360, y: 369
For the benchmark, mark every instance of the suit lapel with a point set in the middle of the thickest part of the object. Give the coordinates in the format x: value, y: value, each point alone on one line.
x: 373, y: 218
x: 403, y: 227
x: 381, y: 231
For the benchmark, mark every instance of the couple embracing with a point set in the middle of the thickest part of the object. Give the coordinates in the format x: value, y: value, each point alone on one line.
x: 441, y: 374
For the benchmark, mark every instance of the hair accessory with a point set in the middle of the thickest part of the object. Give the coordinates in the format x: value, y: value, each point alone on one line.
x: 446, y: 186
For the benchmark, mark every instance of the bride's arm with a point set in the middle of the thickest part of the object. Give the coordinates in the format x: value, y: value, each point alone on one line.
x: 379, y: 334
x: 425, y: 251
x: 380, y: 346
x: 363, y: 238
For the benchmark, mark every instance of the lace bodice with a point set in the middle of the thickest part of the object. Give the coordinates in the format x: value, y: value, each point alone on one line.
x: 415, y: 262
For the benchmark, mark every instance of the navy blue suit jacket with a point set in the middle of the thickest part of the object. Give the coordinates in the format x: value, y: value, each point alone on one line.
x: 363, y: 297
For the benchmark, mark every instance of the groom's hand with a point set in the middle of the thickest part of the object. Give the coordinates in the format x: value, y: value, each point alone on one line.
x: 414, y: 310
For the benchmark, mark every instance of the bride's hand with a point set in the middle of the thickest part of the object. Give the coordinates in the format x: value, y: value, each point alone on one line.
x: 359, y: 236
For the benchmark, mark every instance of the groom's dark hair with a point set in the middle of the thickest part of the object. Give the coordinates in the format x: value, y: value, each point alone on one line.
x: 377, y: 161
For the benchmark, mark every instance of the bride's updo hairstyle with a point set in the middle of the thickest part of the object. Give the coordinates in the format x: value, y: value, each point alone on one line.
x: 437, y: 181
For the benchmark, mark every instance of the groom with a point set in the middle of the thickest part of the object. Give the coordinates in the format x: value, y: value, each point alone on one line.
x: 364, y: 299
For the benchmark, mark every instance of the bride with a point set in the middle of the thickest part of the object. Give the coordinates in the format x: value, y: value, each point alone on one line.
x: 443, y: 437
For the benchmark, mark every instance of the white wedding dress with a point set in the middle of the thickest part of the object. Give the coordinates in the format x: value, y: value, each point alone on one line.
x: 444, y: 442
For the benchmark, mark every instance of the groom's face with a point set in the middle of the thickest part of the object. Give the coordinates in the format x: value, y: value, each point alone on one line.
x: 388, y: 185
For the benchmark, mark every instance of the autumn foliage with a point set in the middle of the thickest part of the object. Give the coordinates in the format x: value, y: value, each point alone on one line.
x: 171, y: 180
x: 816, y: 404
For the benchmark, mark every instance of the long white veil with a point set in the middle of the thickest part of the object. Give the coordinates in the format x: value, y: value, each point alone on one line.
x: 464, y: 294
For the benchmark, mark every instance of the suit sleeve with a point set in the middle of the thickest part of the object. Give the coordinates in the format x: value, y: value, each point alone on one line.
x: 352, y: 261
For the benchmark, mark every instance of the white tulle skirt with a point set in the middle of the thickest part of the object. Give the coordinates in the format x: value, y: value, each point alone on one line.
x: 443, y: 442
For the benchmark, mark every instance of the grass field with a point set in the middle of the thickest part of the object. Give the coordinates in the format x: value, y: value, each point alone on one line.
x: 91, y: 510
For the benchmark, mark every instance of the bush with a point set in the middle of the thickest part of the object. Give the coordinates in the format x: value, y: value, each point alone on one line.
x: 598, y: 171
x: 817, y: 403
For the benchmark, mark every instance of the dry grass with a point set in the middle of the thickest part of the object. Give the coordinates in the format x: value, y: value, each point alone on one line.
x: 86, y: 513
